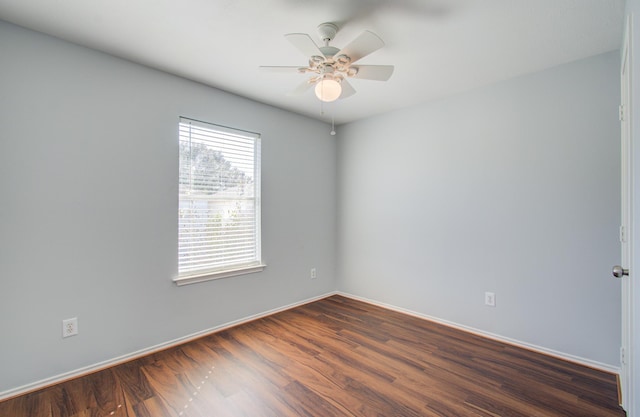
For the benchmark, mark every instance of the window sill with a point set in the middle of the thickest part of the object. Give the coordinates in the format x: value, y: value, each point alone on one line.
x: 219, y: 275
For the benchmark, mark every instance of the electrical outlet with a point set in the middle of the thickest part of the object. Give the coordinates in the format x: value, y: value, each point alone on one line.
x: 70, y: 327
x: 313, y: 273
x: 490, y: 299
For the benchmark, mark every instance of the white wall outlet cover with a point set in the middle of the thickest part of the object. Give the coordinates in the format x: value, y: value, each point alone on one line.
x: 490, y: 299
x: 70, y: 327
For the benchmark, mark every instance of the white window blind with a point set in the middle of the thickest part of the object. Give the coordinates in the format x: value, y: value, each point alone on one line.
x: 219, y: 202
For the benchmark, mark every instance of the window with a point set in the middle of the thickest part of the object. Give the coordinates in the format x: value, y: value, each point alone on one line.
x: 219, y: 202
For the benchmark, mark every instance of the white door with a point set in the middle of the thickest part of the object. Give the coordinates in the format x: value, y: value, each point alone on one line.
x: 625, y: 228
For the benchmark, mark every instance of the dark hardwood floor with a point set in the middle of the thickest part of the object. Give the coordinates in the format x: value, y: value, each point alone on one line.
x: 333, y: 357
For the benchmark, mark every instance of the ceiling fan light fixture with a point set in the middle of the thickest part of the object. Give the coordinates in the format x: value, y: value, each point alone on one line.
x: 328, y: 90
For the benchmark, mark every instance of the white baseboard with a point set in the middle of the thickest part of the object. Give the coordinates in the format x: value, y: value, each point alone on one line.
x: 549, y: 352
x: 147, y: 351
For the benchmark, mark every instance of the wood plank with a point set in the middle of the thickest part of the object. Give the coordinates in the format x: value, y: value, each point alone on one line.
x: 333, y: 357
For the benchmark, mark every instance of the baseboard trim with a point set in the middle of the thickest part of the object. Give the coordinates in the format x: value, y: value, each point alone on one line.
x: 539, y: 349
x: 25, y: 389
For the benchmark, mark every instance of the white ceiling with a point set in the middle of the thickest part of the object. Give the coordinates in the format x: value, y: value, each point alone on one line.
x: 438, y: 47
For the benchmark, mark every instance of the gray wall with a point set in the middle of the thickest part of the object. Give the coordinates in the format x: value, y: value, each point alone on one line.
x: 513, y: 188
x: 88, y: 220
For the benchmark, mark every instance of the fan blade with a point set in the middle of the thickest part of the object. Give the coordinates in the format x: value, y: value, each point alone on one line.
x: 374, y: 72
x: 362, y: 46
x: 278, y: 69
x: 300, y: 89
x: 304, y: 43
x: 347, y: 89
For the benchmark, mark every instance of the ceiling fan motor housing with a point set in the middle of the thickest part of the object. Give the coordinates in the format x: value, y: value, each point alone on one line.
x: 329, y: 50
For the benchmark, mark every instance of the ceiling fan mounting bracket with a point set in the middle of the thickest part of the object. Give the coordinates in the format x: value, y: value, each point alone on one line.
x: 327, y: 32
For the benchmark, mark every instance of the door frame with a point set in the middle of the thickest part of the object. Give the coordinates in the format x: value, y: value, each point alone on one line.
x: 626, y: 217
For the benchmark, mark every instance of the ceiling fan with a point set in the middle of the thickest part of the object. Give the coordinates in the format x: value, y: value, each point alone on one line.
x: 330, y: 67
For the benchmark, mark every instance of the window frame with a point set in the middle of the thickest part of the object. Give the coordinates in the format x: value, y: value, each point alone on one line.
x: 233, y: 269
